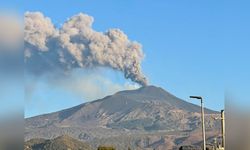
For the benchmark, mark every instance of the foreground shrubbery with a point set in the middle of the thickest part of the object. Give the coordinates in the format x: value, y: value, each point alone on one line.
x: 105, y: 148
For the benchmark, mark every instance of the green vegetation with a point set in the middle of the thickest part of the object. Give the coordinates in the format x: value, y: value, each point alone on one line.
x: 105, y: 148
x: 59, y: 143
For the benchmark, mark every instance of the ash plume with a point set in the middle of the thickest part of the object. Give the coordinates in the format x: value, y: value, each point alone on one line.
x: 77, y: 45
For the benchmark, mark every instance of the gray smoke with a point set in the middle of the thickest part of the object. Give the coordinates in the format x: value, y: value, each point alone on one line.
x: 77, y: 45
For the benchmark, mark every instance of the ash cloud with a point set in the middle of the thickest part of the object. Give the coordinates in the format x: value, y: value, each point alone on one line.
x: 77, y: 45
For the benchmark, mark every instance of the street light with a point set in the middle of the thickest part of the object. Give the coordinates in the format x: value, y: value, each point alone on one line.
x: 222, y: 118
x: 202, y: 120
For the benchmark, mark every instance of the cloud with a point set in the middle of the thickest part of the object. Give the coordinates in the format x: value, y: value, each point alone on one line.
x: 92, y: 86
x: 86, y: 85
x: 77, y: 45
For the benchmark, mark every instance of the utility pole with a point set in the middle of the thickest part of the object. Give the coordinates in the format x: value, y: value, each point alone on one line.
x: 202, y: 120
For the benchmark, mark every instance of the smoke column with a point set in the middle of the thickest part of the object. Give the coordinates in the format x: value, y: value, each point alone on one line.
x: 77, y: 45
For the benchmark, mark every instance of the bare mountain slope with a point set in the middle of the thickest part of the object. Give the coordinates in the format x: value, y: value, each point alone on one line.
x: 136, y: 112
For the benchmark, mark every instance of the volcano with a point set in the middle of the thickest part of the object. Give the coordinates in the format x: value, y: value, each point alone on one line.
x: 148, y: 117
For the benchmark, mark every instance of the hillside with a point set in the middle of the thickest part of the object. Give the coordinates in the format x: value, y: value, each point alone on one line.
x: 60, y: 143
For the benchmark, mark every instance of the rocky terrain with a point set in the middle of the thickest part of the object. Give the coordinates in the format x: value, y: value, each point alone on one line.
x: 146, y: 118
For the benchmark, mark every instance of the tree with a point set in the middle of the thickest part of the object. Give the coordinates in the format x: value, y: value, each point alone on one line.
x: 105, y: 148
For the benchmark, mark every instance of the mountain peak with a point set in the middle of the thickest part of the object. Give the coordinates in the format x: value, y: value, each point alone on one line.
x: 150, y: 87
x: 145, y: 90
x: 153, y: 93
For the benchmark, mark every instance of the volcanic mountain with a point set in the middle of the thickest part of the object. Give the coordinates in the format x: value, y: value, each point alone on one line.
x: 148, y: 117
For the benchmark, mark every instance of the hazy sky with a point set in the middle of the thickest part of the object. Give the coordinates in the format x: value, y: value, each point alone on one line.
x: 192, y: 47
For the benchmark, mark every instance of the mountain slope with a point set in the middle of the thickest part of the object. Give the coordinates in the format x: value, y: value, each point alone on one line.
x: 143, y: 111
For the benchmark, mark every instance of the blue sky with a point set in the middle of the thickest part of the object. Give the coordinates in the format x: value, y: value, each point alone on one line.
x: 192, y: 47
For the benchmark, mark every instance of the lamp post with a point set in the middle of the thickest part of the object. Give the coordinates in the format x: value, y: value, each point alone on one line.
x: 223, y: 128
x: 202, y: 120
x: 222, y: 118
